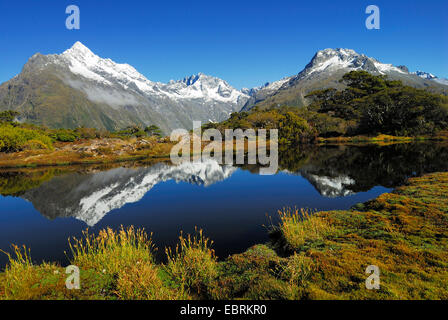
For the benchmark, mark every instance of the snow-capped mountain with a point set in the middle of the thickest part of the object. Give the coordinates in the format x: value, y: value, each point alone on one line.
x: 79, y: 88
x: 268, y: 87
x: 430, y: 76
x: 331, y: 60
x: 85, y: 63
x: 325, y: 70
x: 113, y: 95
x: 424, y: 75
x: 201, y: 86
x: 331, y: 187
x: 260, y: 93
x: 441, y: 81
x: 89, y: 197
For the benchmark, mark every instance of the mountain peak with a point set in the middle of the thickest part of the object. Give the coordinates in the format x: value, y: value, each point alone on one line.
x: 329, y: 60
x: 79, y: 45
x: 424, y: 75
x: 203, y: 78
x: 79, y: 48
x: 336, y: 51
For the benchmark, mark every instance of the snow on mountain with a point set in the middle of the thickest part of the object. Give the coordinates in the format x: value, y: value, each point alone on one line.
x: 325, y: 70
x: 430, y: 76
x: 424, y: 75
x: 329, y: 60
x: 267, y: 87
x: 84, y: 89
x: 112, y: 95
x: 89, y: 197
x: 202, y: 86
x: 85, y: 63
x: 259, y: 93
x: 331, y: 187
x: 441, y: 81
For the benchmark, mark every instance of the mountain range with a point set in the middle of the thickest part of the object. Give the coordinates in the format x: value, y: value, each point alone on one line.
x: 325, y: 70
x: 91, y: 196
x: 78, y: 88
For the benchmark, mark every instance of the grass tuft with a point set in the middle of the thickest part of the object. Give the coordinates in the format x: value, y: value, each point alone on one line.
x: 192, y: 265
x: 299, y: 226
x: 112, y: 251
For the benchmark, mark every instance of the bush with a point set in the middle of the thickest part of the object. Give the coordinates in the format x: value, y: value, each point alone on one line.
x: 90, y: 133
x: 294, y: 129
x: 379, y: 105
x: 14, y: 139
x: 8, y: 116
x: 64, y: 135
x: 132, y: 131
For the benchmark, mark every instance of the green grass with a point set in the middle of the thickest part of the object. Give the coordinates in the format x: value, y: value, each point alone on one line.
x: 320, y: 255
x: 16, y: 139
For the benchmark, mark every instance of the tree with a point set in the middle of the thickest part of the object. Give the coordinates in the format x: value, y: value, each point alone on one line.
x: 378, y: 105
x: 153, y: 130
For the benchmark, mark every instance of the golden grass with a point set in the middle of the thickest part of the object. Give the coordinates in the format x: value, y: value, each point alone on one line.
x: 142, y: 282
x: 192, y: 265
x: 24, y: 281
x: 112, y: 251
x: 299, y: 226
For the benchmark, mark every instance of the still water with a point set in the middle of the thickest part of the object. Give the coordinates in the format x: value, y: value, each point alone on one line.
x: 42, y: 208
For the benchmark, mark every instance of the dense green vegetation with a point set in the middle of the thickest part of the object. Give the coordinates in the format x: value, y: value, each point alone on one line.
x: 8, y: 116
x: 138, y: 131
x: 369, y: 105
x: 16, y: 139
x: 320, y: 255
x: 292, y: 128
x: 15, y: 136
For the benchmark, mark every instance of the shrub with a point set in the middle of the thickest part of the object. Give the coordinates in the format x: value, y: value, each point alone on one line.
x: 153, y: 130
x: 8, y: 116
x: 18, y: 273
x: 64, y: 135
x: 87, y: 133
x: 132, y: 131
x: 294, y: 129
x: 16, y: 139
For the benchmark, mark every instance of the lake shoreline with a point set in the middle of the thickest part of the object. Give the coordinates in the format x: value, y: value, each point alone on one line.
x: 106, y: 151
x: 404, y: 233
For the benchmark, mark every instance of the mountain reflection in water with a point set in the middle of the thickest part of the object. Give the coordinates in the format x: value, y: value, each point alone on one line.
x: 89, y: 197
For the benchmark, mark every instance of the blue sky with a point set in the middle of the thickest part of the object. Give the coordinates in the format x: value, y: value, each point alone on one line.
x: 246, y: 43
